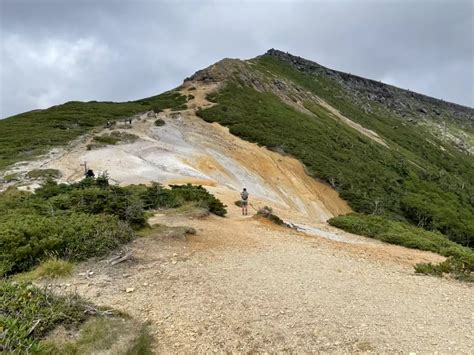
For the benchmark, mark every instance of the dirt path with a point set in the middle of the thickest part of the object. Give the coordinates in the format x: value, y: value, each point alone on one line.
x: 242, y: 284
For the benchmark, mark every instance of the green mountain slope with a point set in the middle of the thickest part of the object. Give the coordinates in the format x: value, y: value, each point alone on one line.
x: 412, y: 172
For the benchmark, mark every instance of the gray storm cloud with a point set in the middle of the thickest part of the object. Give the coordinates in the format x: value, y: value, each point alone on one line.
x: 57, y: 51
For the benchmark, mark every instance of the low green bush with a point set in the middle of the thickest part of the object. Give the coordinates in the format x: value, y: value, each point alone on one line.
x: 193, y: 193
x: 460, y: 265
x: 44, y: 174
x: 459, y: 262
x: 160, y: 122
x: 115, y: 137
x: 179, y: 108
x: 267, y: 212
x: 394, y: 232
x: 27, y: 238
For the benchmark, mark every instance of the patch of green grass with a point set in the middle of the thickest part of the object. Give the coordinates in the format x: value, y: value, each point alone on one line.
x: 30, y: 316
x: 44, y: 174
x: 104, y: 335
x: 29, y: 313
x: 49, y: 269
x: 163, y: 231
x: 27, y: 135
x: 142, y: 344
x: 192, y: 209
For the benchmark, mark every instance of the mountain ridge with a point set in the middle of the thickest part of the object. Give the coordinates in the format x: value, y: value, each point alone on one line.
x: 296, y: 60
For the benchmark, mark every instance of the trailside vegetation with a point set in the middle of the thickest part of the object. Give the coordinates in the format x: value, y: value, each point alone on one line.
x: 60, y: 223
x: 81, y: 220
x: 459, y: 262
x: 29, y: 313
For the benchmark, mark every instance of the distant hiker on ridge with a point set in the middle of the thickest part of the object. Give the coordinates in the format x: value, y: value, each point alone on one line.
x: 244, y: 201
x: 90, y: 173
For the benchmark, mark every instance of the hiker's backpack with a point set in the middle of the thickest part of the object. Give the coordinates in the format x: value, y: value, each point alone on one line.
x: 244, y: 195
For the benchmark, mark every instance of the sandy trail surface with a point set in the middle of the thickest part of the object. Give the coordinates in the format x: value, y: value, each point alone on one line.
x: 245, y: 285
x: 242, y: 284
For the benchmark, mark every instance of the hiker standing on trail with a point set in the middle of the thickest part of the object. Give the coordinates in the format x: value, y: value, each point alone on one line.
x: 244, y: 201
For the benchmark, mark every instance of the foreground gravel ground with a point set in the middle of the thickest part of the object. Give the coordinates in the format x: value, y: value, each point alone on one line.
x: 244, y: 285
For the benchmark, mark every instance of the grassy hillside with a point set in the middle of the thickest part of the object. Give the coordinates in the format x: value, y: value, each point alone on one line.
x: 420, y: 178
x: 29, y: 134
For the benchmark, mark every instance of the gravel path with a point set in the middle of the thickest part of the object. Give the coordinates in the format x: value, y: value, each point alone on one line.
x: 244, y: 285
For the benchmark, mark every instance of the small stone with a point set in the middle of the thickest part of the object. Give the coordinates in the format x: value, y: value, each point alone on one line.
x: 174, y: 262
x: 129, y: 289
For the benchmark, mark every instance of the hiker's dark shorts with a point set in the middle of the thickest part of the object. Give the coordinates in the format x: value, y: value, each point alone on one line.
x: 244, y: 202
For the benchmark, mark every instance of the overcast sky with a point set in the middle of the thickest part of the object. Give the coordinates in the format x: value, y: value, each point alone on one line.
x: 54, y: 51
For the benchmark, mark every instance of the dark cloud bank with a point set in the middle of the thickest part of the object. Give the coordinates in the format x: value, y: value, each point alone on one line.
x: 55, y: 51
